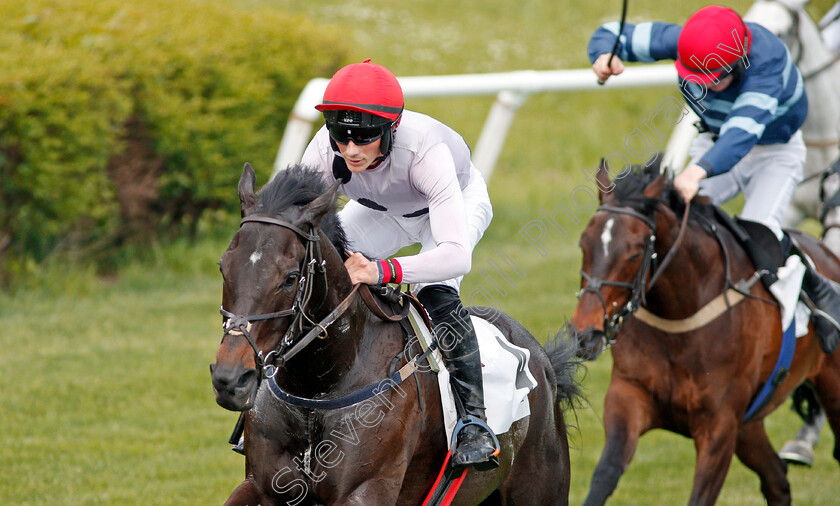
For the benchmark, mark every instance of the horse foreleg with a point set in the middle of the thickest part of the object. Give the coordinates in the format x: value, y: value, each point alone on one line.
x: 247, y: 494
x: 715, y: 445
x: 626, y: 418
x: 755, y: 451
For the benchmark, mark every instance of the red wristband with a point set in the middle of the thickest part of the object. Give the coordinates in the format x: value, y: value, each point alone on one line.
x: 391, y: 271
x: 398, y: 271
x: 386, y: 271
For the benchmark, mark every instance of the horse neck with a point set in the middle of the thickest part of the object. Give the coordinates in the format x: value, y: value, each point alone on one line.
x: 695, y: 274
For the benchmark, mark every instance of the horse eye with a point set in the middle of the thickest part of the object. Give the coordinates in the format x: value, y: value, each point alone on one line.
x: 290, y: 279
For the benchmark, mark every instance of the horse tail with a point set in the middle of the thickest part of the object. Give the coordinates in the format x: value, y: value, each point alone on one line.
x: 562, y: 353
x: 805, y: 402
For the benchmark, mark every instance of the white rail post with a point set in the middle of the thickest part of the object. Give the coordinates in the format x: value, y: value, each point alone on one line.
x: 299, y: 127
x: 495, y: 130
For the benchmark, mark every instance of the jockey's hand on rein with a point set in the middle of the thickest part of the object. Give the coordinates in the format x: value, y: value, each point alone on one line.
x: 688, y: 181
x: 361, y: 269
x: 602, y: 71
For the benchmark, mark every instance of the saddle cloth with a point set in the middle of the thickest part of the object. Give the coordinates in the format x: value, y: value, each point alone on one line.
x: 786, y: 291
x: 507, y: 379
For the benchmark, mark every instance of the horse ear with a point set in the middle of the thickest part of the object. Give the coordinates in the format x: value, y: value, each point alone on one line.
x: 605, y: 186
x: 247, y: 197
x: 655, y: 188
x: 314, y: 212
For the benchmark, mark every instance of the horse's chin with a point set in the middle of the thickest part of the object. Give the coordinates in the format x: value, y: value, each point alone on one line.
x: 239, y: 402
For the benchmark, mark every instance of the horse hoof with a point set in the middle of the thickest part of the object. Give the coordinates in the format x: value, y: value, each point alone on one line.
x: 797, y: 452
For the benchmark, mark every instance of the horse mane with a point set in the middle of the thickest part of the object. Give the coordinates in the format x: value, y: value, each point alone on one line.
x: 295, y: 187
x: 629, y: 190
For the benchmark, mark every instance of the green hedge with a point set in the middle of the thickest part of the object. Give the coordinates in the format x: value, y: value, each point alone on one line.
x: 124, y: 121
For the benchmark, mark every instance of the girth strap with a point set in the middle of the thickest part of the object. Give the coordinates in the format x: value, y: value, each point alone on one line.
x: 780, y: 372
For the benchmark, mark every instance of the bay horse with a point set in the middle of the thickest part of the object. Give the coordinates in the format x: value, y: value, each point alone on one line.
x: 820, y: 68
x: 696, y: 380
x: 283, y: 274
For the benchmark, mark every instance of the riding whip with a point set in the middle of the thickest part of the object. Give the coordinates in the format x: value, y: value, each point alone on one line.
x: 617, y: 38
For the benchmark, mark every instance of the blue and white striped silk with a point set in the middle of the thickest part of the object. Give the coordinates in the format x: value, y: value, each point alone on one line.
x: 766, y: 106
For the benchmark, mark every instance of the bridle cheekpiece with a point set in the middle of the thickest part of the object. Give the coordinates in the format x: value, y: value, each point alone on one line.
x: 312, y: 266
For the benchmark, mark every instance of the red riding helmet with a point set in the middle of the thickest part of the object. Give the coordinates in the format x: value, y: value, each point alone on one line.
x: 363, y: 96
x: 712, y: 39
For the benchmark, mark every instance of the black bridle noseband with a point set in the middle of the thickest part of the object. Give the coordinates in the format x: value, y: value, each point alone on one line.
x: 312, y: 267
x: 612, y: 323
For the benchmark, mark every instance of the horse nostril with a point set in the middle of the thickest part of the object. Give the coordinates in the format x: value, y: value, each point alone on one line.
x: 246, y: 378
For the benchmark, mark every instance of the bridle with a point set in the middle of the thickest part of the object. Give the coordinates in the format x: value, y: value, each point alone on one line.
x: 612, y: 324
x: 312, y: 267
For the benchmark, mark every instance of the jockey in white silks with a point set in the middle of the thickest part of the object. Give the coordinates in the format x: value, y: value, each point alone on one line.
x: 410, y: 180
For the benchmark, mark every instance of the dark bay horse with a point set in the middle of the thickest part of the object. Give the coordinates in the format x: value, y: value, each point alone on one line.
x: 283, y: 276
x: 696, y: 380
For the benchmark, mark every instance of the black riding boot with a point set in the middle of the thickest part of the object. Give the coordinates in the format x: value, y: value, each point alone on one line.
x: 458, y: 345
x: 825, y: 294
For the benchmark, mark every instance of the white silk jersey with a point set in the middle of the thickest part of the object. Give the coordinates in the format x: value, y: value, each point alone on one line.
x: 421, y: 181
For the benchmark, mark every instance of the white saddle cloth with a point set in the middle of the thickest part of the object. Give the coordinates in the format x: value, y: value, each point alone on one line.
x: 786, y: 291
x: 507, y: 379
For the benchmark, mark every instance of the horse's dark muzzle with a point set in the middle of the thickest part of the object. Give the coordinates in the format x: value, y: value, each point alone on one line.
x: 235, y: 387
x: 591, y: 342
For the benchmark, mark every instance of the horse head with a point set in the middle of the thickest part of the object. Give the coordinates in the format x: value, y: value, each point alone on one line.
x: 275, y: 283
x: 618, y: 247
